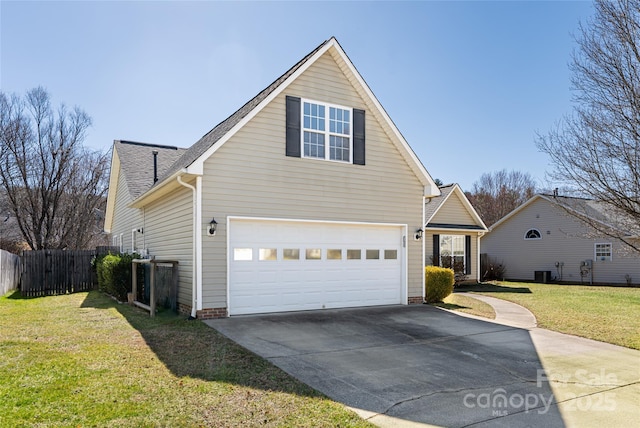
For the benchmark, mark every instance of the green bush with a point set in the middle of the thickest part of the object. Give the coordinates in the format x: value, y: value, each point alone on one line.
x: 114, y: 274
x: 438, y: 283
x: 457, y: 264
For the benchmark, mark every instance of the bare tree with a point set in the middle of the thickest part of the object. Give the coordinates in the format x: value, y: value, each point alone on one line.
x: 496, y: 194
x: 54, y: 187
x: 596, y: 150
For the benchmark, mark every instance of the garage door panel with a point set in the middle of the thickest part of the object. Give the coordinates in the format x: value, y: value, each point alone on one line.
x: 260, y: 286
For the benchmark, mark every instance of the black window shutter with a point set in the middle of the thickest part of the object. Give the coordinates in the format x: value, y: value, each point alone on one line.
x: 358, y: 137
x: 293, y: 126
x: 467, y: 254
x: 436, y: 250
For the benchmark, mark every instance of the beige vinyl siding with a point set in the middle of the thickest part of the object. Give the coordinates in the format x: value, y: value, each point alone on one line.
x: 251, y: 176
x: 428, y: 237
x: 169, y: 235
x: 124, y: 218
x: 453, y: 212
x: 564, y: 240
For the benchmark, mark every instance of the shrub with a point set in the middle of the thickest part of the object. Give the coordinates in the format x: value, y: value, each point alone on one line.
x: 491, y: 269
x: 438, y: 283
x: 114, y: 274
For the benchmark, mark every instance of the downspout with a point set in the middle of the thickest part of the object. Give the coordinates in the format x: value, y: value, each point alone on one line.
x: 194, y: 280
x: 423, y: 225
x: 478, y: 249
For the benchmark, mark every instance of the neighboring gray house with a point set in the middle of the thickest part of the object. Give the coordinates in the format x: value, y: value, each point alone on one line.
x: 540, y: 240
x: 307, y: 197
x: 453, y: 230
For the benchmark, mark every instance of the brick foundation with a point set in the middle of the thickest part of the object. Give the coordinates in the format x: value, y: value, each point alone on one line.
x: 204, y: 314
x: 184, y: 309
x: 415, y: 300
x: 210, y: 313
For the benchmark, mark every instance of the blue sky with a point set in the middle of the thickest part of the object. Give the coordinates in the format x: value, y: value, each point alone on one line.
x: 467, y: 83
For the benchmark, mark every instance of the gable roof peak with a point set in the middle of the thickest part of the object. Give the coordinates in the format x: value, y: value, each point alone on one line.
x: 192, y: 160
x: 434, y: 204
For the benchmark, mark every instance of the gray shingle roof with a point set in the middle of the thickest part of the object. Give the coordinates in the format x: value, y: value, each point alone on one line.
x: 136, y: 163
x: 213, y: 136
x: 435, y: 203
x: 599, y: 211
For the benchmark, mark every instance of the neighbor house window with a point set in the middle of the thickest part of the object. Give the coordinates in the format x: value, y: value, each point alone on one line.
x: 452, y: 252
x: 603, y: 251
x: 326, y: 131
x: 533, y: 234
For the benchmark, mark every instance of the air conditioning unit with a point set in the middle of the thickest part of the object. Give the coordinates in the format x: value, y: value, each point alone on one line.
x: 542, y: 276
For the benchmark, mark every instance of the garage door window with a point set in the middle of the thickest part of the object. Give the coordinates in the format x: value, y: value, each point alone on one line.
x: 291, y: 254
x: 390, y: 254
x: 268, y: 254
x: 242, y: 254
x: 334, y: 254
x: 354, y: 254
x: 373, y: 254
x: 313, y: 254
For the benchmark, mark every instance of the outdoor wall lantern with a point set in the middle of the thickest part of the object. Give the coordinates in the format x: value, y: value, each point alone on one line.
x: 419, y: 234
x: 213, y: 226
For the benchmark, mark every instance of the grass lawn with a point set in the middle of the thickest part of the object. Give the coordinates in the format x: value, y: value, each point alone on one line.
x: 469, y: 305
x: 84, y: 360
x: 607, y: 314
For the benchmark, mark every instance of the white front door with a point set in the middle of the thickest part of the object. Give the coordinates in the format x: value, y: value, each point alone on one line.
x: 279, y: 265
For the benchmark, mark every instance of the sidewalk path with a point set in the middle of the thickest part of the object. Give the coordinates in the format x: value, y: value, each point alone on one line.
x: 594, y: 383
x: 507, y: 313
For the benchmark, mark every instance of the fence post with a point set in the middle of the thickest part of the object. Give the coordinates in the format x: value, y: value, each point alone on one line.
x: 134, y: 281
x: 152, y: 289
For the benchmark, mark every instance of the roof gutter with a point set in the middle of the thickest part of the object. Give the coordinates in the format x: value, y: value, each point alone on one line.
x: 142, y: 200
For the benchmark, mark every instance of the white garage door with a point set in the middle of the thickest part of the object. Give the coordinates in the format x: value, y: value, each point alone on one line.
x: 277, y: 266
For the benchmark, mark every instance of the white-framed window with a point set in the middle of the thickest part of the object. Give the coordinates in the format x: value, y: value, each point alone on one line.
x: 327, y: 131
x: 533, y: 234
x: 452, y: 252
x: 603, y: 251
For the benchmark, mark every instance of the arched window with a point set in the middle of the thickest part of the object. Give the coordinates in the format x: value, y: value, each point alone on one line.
x: 533, y: 234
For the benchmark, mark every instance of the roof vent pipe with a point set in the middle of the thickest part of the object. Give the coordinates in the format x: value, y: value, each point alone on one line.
x: 155, y: 166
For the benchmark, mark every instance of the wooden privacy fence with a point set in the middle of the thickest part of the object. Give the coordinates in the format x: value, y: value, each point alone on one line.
x: 9, y: 272
x: 50, y: 272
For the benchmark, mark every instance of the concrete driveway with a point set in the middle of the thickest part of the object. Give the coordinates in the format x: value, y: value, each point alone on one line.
x: 414, y: 365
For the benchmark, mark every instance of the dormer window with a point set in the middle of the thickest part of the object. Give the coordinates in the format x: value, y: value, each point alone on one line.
x: 533, y: 234
x: 320, y: 130
x: 326, y: 131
